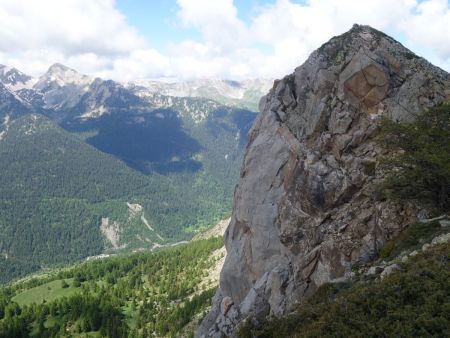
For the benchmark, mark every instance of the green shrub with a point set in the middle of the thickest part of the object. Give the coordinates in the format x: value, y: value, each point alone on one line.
x: 418, y: 166
x: 387, y: 249
x: 413, y: 302
x: 413, y: 237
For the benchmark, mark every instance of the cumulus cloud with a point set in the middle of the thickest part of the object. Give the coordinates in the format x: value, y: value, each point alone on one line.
x: 94, y: 37
x: 430, y: 27
x: 214, y: 18
x: 54, y: 29
x: 289, y: 32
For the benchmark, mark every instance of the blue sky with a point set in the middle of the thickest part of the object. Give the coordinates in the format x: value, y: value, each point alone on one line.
x: 157, y: 20
x: 187, y: 39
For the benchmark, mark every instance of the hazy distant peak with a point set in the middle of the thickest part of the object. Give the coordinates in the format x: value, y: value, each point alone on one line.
x: 14, y: 79
x: 59, y: 67
x: 244, y: 93
x: 63, y: 75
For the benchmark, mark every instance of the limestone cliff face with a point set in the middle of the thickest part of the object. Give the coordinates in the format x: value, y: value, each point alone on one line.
x: 304, y: 210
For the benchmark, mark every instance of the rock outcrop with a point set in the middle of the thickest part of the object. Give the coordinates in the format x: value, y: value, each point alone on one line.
x: 304, y: 210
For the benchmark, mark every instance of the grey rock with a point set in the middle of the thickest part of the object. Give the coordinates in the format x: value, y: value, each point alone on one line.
x: 445, y: 223
x: 303, y: 211
x: 225, y: 305
x: 422, y: 215
x: 426, y: 246
x: 414, y: 253
x: 389, y: 269
x: 443, y: 220
x: 374, y: 270
x: 444, y: 238
x: 209, y: 321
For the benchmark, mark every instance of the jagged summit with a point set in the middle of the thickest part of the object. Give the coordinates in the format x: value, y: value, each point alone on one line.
x: 56, y: 67
x: 303, y: 211
x: 14, y: 79
x: 62, y: 87
x: 63, y: 76
x: 359, y: 36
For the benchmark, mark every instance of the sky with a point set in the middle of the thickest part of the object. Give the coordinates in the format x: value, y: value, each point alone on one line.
x: 175, y: 40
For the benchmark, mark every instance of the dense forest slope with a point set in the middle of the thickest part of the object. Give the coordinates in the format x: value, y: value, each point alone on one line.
x: 55, y: 190
x: 307, y: 208
x: 135, y: 295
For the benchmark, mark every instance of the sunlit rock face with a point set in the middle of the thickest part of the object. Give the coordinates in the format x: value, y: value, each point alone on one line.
x: 304, y: 210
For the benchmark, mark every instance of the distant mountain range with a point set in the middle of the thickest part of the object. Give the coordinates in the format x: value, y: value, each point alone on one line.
x: 244, y: 94
x: 62, y: 88
x: 91, y: 165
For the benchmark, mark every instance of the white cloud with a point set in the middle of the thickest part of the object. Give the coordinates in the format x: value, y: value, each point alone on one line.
x: 74, y: 26
x: 291, y: 31
x: 93, y: 36
x: 35, y: 33
x: 214, y: 18
x: 430, y: 27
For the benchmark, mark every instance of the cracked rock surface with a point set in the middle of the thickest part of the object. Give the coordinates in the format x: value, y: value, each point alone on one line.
x: 304, y: 210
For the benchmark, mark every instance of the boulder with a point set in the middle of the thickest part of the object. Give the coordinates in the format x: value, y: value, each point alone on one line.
x: 389, y: 269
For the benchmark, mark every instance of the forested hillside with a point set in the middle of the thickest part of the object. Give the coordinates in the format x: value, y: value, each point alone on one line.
x: 137, y: 295
x: 63, y: 200
x: 54, y: 190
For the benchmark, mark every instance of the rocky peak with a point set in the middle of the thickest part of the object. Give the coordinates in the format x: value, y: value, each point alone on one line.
x: 62, y: 76
x: 14, y: 79
x: 62, y: 87
x: 58, y: 67
x: 304, y: 210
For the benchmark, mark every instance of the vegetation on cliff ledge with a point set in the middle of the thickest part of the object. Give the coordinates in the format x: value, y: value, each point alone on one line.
x: 413, y: 302
x: 419, y: 164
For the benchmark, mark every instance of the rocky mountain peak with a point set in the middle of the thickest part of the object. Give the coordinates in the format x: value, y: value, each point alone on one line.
x: 304, y: 211
x: 58, y: 67
x: 62, y: 87
x: 63, y: 76
x: 14, y: 79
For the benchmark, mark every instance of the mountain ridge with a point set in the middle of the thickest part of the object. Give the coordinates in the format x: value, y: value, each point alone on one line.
x: 243, y: 94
